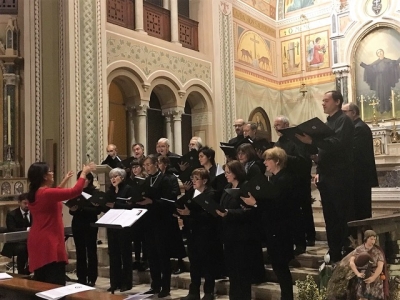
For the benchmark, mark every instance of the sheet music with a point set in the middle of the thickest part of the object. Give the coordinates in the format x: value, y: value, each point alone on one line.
x: 110, y: 216
x: 86, y: 195
x: 5, y: 276
x: 60, y: 292
x: 122, y: 217
x: 219, y: 171
x: 196, y: 193
x: 139, y: 296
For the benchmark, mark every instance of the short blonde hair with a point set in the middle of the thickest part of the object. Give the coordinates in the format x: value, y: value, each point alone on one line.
x: 277, y: 155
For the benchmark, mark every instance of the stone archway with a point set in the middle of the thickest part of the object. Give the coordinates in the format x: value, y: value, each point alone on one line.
x: 124, y: 95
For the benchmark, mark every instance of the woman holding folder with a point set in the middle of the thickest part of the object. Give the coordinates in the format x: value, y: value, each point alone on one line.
x: 85, y: 236
x: 202, y: 237
x: 276, y: 215
x: 160, y: 201
x: 46, y: 246
x: 242, y: 245
x: 248, y: 158
x: 119, y: 240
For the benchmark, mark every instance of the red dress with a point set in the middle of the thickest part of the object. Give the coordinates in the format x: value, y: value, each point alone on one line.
x: 46, y: 236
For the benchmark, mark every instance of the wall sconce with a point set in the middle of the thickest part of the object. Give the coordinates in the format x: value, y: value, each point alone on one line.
x: 303, y: 89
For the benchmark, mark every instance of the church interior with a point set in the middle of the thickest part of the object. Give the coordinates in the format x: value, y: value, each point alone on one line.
x: 78, y: 75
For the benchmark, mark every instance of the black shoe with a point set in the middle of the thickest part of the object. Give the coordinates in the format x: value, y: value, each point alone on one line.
x: 208, y: 297
x: 135, y: 265
x: 143, y: 266
x: 163, y: 294
x: 151, y: 292
x: 91, y: 283
x: 299, y: 250
x: 178, y: 271
x: 112, y: 289
x: 311, y: 243
x: 125, y: 288
x: 191, y: 297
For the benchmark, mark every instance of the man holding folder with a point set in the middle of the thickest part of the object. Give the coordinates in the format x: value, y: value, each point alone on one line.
x: 335, y: 175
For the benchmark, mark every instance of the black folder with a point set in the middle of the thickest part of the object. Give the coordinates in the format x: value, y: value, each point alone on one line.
x: 126, y: 163
x: 259, y: 187
x: 191, y: 158
x: 79, y: 201
x: 181, y: 202
x: 229, y: 150
x: 184, y: 176
x: 235, y: 192
x: 313, y: 127
x: 101, y: 198
x: 208, y: 204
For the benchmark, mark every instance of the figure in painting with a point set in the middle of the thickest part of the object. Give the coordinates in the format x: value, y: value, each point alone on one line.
x: 292, y: 5
x: 316, y: 53
x: 382, y: 75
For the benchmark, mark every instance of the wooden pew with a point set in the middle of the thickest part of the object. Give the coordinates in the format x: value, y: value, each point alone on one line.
x: 25, y: 289
x: 380, y: 224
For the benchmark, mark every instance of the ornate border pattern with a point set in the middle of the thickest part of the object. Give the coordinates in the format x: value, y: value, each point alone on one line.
x: 38, y: 82
x: 89, y: 57
x: 77, y: 84
x: 227, y: 72
x: 62, y: 87
x: 99, y: 78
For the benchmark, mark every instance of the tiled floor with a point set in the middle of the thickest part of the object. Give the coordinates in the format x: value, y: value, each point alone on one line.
x: 103, y: 284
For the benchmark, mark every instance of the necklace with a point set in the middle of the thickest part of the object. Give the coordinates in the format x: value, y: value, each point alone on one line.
x: 153, y: 180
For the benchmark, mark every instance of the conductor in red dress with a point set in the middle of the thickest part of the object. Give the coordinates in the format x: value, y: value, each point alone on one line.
x: 46, y: 248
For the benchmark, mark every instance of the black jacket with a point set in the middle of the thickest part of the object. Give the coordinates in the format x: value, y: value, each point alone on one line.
x: 87, y: 214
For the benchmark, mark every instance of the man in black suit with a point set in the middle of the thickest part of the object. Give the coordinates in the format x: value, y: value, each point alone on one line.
x: 335, y: 176
x: 239, y: 132
x: 19, y: 219
x: 365, y: 176
x: 112, y: 158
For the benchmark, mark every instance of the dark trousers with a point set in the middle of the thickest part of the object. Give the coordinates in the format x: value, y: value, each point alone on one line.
x: 52, y: 273
x: 85, y: 239
x: 158, y: 253
x: 21, y: 250
x: 362, y: 201
x: 284, y: 276
x: 239, y: 279
x: 120, y: 253
x: 138, y: 237
x: 202, y: 263
x: 306, y: 210
x: 337, y: 205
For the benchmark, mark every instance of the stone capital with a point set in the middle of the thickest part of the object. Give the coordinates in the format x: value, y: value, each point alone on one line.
x: 177, y: 114
x: 10, y: 79
x: 341, y: 70
x: 141, y: 110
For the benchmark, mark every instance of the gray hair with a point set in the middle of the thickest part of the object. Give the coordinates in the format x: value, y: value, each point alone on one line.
x: 199, y: 141
x: 354, y: 108
x: 284, y: 119
x: 163, y: 140
x: 117, y: 172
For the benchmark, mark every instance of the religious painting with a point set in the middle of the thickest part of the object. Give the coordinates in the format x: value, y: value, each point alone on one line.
x: 255, y: 51
x: 291, y: 57
x: 267, y: 7
x: 293, y: 5
x: 317, y: 51
x: 377, y: 74
x: 260, y: 117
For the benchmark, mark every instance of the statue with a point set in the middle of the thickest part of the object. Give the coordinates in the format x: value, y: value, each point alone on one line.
x: 377, y: 147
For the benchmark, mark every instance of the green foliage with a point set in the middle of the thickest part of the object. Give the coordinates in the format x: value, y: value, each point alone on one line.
x: 308, y: 290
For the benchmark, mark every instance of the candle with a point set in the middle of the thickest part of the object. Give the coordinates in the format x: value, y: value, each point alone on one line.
x: 393, y: 106
x: 362, y: 106
x: 9, y: 119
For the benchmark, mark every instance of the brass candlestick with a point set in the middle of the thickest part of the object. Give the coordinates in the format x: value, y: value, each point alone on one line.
x: 373, y: 104
x: 394, y: 136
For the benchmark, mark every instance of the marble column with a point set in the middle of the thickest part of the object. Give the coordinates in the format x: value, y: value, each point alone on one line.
x: 168, y: 127
x: 131, y: 121
x: 166, y: 4
x: 177, y: 120
x: 174, y: 21
x: 141, y: 114
x: 342, y: 72
x: 139, y: 16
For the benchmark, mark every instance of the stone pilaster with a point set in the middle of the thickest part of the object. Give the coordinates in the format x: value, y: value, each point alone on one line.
x: 141, y: 132
x: 342, y: 73
x: 85, y: 100
x: 177, y: 121
x: 168, y: 127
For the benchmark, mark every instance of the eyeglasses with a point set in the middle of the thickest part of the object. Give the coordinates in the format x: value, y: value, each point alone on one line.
x: 237, y: 125
x: 115, y: 176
